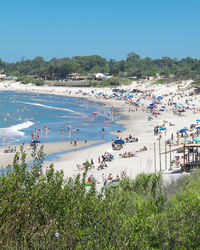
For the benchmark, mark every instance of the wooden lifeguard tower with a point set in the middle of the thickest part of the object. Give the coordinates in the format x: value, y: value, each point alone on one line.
x: 191, y: 155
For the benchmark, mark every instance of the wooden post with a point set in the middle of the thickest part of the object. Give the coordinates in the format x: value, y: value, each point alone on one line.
x: 165, y: 155
x: 160, y: 155
x: 170, y: 156
x: 184, y: 155
x: 155, y: 156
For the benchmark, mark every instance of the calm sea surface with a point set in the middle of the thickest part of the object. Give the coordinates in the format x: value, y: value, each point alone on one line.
x: 24, y: 116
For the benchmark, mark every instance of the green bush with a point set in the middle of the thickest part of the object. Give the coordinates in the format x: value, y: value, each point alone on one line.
x: 39, y: 82
x: 49, y: 212
x: 25, y: 79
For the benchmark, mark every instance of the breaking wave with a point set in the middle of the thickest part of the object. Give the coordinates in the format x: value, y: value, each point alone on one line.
x: 14, y: 132
x: 51, y: 107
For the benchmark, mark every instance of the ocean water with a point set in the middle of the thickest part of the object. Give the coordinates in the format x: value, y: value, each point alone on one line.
x: 24, y: 116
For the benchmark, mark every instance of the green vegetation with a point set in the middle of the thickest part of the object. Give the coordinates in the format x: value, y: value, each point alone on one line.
x: 132, y: 66
x: 38, y: 82
x: 112, y: 82
x: 196, y: 82
x: 161, y: 81
x: 27, y: 80
x: 48, y: 212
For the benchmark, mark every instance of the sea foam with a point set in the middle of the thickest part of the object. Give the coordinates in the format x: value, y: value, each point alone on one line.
x: 51, y: 107
x: 14, y: 132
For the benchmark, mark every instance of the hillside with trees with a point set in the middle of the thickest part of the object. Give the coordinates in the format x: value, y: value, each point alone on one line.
x: 132, y: 66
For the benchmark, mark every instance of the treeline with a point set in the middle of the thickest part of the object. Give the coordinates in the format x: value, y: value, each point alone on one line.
x: 49, y: 212
x: 132, y: 66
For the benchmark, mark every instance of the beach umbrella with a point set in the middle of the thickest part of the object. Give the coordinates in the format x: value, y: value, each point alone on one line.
x: 183, y: 130
x: 198, y: 120
x: 185, y: 142
x: 196, y: 139
x: 198, y: 128
x: 119, y: 141
x: 163, y: 128
x: 188, y: 141
x: 161, y: 110
x: 35, y: 141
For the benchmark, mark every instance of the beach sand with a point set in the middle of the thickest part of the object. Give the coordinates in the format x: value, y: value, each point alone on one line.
x: 49, y: 148
x: 135, y: 123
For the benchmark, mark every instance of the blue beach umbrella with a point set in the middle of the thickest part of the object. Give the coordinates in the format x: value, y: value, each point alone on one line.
x: 196, y: 139
x: 185, y: 142
x: 183, y: 130
x: 119, y: 141
x: 198, y: 120
x: 197, y: 127
x: 163, y: 128
x: 35, y: 141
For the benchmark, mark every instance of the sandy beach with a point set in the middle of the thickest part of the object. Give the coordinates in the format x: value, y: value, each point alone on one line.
x: 49, y: 148
x: 136, y: 123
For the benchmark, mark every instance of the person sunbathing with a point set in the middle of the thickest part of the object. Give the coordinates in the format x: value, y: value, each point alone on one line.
x: 81, y: 167
x: 102, y: 166
x: 123, y: 174
x: 142, y: 149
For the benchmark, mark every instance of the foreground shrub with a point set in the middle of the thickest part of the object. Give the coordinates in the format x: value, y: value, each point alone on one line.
x: 49, y: 212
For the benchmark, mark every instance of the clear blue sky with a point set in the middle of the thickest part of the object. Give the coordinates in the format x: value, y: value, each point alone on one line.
x: 110, y: 28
